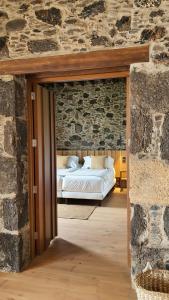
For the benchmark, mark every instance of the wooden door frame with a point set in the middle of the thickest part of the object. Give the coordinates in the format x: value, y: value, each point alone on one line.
x: 93, y: 65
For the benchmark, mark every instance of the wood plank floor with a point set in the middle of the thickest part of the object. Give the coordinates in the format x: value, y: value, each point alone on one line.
x: 87, y: 262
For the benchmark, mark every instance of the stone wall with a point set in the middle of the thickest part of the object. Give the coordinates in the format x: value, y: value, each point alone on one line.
x: 14, y: 222
x: 149, y: 166
x: 49, y: 27
x: 45, y: 27
x: 91, y: 114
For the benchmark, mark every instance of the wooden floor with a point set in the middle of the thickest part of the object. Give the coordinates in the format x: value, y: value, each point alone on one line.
x: 87, y: 262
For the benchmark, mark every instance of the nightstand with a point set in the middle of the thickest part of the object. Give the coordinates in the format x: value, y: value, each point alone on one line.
x: 123, y: 180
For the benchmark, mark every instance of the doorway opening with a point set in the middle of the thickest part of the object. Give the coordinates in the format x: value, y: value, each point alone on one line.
x: 109, y: 186
x: 42, y: 150
x: 83, y: 66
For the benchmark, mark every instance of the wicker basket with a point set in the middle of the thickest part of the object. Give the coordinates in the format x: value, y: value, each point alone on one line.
x: 153, y: 285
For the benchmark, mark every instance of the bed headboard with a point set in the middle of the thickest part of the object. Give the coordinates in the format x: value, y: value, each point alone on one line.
x: 116, y: 154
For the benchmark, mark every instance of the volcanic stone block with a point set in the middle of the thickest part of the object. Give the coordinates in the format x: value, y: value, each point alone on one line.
x: 4, y: 52
x: 153, y: 34
x: 3, y: 41
x: 150, y: 88
x: 138, y: 224
x: 8, y: 175
x: 166, y: 221
x: 16, y: 25
x: 24, y: 7
x: 51, y: 16
x: 12, y: 98
x: 141, y: 130
x: 157, y: 258
x: 93, y: 9
x: 20, y: 97
x: 3, y: 14
x: 42, y: 46
x: 15, y: 212
x: 7, y: 98
x: 99, y: 40
x: 78, y: 128
x: 161, y: 57
x: 165, y: 139
x: 11, y: 250
x: 10, y: 145
x: 21, y: 129
x: 147, y: 3
x: 124, y: 23
x: 158, y: 13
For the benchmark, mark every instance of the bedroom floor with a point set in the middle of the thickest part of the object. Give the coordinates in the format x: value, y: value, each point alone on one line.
x: 87, y: 261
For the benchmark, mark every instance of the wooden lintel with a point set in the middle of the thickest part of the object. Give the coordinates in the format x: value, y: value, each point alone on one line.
x: 114, y: 58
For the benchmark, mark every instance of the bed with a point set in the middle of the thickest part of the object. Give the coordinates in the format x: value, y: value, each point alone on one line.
x: 93, y: 180
x: 88, y: 184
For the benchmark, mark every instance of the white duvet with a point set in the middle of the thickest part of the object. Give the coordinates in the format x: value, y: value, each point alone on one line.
x: 60, y: 174
x: 88, y: 180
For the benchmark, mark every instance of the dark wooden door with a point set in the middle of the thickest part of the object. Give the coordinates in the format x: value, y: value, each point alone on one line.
x: 42, y: 167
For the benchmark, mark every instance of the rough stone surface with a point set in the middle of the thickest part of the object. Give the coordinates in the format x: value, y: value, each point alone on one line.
x: 23, y: 8
x: 2, y: 42
x: 166, y: 221
x: 157, y: 13
x: 3, y: 14
x: 153, y: 34
x: 14, y: 223
x: 51, y: 16
x: 7, y: 98
x: 147, y: 3
x: 141, y: 130
x: 42, y: 46
x: 15, y: 25
x: 138, y: 224
x: 124, y: 24
x: 8, y: 175
x: 165, y: 139
x: 148, y: 181
x: 149, y: 237
x: 4, y: 52
x: 156, y: 258
x: 149, y: 87
x: 93, y: 9
x: 92, y: 112
x: 99, y: 40
x: 72, y: 25
x: 15, y: 212
x: 11, y: 249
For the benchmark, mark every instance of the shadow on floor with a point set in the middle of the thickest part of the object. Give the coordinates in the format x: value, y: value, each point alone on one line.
x: 62, y: 252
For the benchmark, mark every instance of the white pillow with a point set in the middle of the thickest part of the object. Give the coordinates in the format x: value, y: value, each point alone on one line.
x: 109, y: 162
x: 73, y: 162
x: 87, y: 162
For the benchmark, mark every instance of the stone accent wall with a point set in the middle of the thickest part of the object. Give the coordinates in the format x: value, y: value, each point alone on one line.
x: 14, y: 223
x: 149, y: 171
x: 91, y: 114
x: 34, y: 27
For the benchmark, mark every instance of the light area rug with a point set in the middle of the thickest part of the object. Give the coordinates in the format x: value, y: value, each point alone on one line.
x: 81, y: 212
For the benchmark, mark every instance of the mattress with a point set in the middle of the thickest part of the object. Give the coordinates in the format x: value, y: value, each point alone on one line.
x: 88, y: 181
x: 90, y: 196
x: 60, y: 174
